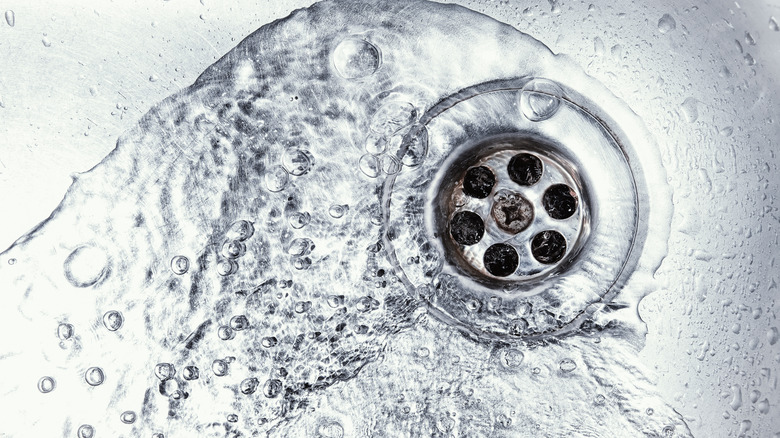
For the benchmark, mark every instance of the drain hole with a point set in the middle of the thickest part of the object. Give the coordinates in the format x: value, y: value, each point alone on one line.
x: 548, y: 247
x: 512, y: 212
x: 560, y: 201
x: 467, y: 228
x: 478, y: 182
x: 501, y: 260
x: 525, y: 169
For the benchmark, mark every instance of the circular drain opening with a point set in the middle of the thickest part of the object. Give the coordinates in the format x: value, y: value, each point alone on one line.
x: 513, y: 215
x: 523, y: 213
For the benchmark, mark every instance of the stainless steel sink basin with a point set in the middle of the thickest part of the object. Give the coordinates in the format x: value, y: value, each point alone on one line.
x: 365, y: 250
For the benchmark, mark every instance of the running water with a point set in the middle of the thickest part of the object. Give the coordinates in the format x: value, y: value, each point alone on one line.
x: 228, y: 270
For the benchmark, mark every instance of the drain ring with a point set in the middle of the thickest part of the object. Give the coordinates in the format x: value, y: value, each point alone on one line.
x: 575, y: 248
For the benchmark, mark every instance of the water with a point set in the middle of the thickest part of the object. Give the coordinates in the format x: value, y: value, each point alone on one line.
x: 342, y: 332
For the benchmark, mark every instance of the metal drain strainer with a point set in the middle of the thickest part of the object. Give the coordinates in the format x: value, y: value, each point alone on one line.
x: 522, y: 214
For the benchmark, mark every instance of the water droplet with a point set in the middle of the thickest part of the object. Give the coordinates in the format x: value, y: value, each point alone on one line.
x: 338, y: 211
x: 269, y: 341
x: 356, y: 58
x: 749, y: 40
x: 370, y: 165
x: 10, y: 18
x: 272, y: 388
x: 94, y: 376
x: 249, y: 386
x: 191, y: 373
x: 65, y: 331
x: 297, y: 162
x: 518, y: 326
x: 232, y: 418
x: 649, y: 411
x: 85, y: 266
x: 180, y: 265
x: 300, y: 246
x: 299, y: 220
x: 772, y: 335
x: 276, y: 178
x: 86, y: 431
x: 390, y: 165
x: 540, y: 99
x: 763, y: 406
x: 233, y: 249
x: 536, y: 370
x: 153, y: 78
x: 567, y: 365
x: 330, y: 429
x: 225, y: 333
x: 239, y: 323
x: 128, y: 417
x: 599, y: 400
x: 416, y: 147
x: 158, y: 435
x: 392, y: 117
x: 772, y: 24
x: 666, y: 24
x: 690, y: 110
x: 240, y: 230
x: 46, y: 42
x: 219, y: 367
x: 335, y: 300
x: 46, y: 384
x: 226, y: 267
x: 113, y: 320
x: 302, y: 263
x: 164, y: 371
x: 11, y: 262
x: 302, y: 306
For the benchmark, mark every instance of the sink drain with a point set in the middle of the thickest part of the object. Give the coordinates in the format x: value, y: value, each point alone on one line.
x: 523, y: 213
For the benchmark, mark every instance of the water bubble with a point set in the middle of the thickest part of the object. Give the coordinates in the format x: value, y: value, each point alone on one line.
x: 158, y: 435
x: 10, y: 17
x: 269, y: 341
x: 356, y: 58
x: 272, y: 388
x: 249, y: 386
x: 11, y: 261
x: 233, y: 249
x: 567, y: 365
x: 297, y: 162
x: 239, y: 322
x: 666, y: 24
x: 300, y: 246
x: 416, y: 147
x: 690, y: 109
x: 649, y: 411
x: 190, y: 373
x: 276, y: 178
x: 518, y: 326
x: 128, y: 417
x: 113, y: 320
x: 511, y: 358
x: 392, y: 117
x: 370, y: 165
x: 302, y: 306
x: 65, y: 331
x: 302, y: 263
x: 390, y: 165
x: 299, y: 220
x: 599, y: 400
x: 335, y: 301
x: 240, y: 230
x: 375, y: 144
x: 225, y: 333
x: 338, y: 211
x: 180, y: 265
x: 219, y: 367
x: 232, y: 418
x: 540, y: 99
x: 164, y: 371
x: 94, y: 376
x: 226, y: 267
x: 86, y: 431
x: 330, y: 429
x: 85, y: 266
x: 46, y: 384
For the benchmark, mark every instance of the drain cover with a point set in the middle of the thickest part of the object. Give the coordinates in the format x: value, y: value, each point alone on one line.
x: 523, y: 213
